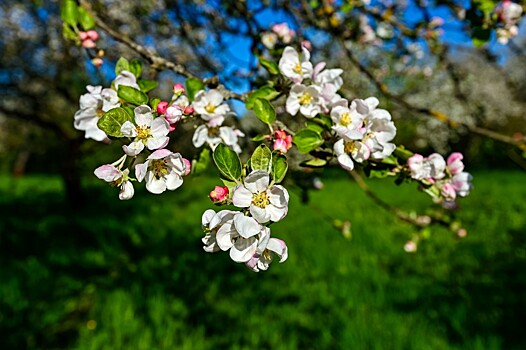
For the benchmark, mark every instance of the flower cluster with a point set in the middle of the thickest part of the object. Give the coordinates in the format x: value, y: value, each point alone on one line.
x: 280, y: 33
x: 212, y: 109
x: 509, y: 13
x: 448, y: 178
x: 243, y: 233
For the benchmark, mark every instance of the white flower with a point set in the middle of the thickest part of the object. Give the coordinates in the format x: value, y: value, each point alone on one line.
x: 344, y: 149
x: 210, y: 223
x: 117, y: 178
x: 147, y: 131
x: 379, y: 130
x: 461, y: 182
x: 432, y: 167
x: 93, y: 105
x: 284, y: 32
x: 213, y: 136
x: 163, y: 171
x: 266, y: 203
x: 322, y: 76
x: 240, y: 235
x: 348, y: 122
x: 264, y: 254
x: 304, y: 99
x: 126, y: 78
x: 292, y: 67
x: 209, y: 104
x: 269, y: 40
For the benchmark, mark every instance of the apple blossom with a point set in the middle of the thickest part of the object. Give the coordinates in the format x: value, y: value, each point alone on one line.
x: 209, y: 104
x: 178, y: 89
x: 112, y: 174
x: 163, y: 170
x: 283, y: 141
x: 461, y: 182
x: 348, y: 122
x: 162, y: 107
x: 454, y: 163
x: 210, y: 223
x: 345, y: 148
x: 264, y: 254
x: 266, y: 202
x: 269, y: 40
x: 213, y: 135
x: 219, y: 194
x: 93, y: 105
x: 146, y: 131
x: 292, y: 67
x: 284, y: 32
x: 125, y: 78
x: 305, y: 100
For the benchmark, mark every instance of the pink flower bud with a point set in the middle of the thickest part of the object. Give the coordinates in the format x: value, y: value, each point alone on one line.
x: 188, y: 166
x: 188, y: 110
x: 280, y: 145
x: 448, y: 191
x: 307, y: 44
x: 97, y: 62
x: 161, y: 107
x: 93, y: 35
x: 454, y: 163
x: 220, y: 193
x: 88, y: 44
x: 172, y: 128
x: 83, y: 36
x: 283, y: 141
x: 178, y: 89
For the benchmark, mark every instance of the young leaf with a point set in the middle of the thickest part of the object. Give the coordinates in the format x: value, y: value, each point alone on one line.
x: 201, y: 164
x: 266, y: 92
x: 69, y: 12
x: 307, y: 140
x: 122, y: 64
x: 314, y: 127
x: 85, y: 19
x: 136, y: 67
x: 193, y: 86
x: 112, y: 121
x: 261, y: 158
x: 314, y: 163
x: 279, y: 167
x: 227, y: 161
x: 146, y: 85
x: 259, y: 138
x: 271, y: 66
x: 132, y: 95
x: 154, y: 102
x: 264, y: 111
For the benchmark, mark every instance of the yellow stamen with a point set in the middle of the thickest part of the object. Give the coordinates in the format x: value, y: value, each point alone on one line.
x: 305, y: 99
x: 210, y: 108
x: 143, y: 132
x: 260, y: 199
x: 159, y: 168
x: 297, y: 68
x: 350, y: 147
x: 345, y: 119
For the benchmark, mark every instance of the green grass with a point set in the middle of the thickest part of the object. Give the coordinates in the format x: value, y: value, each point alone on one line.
x: 132, y: 275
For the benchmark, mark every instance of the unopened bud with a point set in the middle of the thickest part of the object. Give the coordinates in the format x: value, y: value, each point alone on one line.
x: 83, y: 36
x: 188, y: 110
x: 93, y: 35
x: 97, y: 62
x: 220, y: 193
x: 178, y: 89
x: 188, y: 166
x: 88, y: 44
x: 161, y: 107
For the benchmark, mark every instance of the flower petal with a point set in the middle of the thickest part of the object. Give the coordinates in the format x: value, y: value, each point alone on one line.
x: 246, y: 226
x: 241, y: 197
x: 257, y: 181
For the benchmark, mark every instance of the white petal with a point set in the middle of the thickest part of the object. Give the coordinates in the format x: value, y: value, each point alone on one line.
x: 207, y: 217
x: 246, y: 226
x: 260, y: 214
x: 128, y: 129
x: 140, y: 171
x: 225, y: 236
x: 133, y: 148
x: 143, y: 115
x: 278, y: 196
x: 107, y: 173
x: 160, y: 127
x: 127, y: 191
x: 276, y: 213
x: 156, y: 143
x: 173, y: 181
x: 155, y: 185
x: 279, y: 247
x: 243, y: 249
x: 241, y: 197
x: 200, y: 136
x: 257, y: 181
x: 346, y: 162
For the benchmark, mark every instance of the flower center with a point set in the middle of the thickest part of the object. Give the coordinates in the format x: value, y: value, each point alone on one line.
x: 305, y: 99
x: 158, y: 167
x: 297, y: 68
x: 260, y: 199
x: 210, y: 108
x: 99, y: 113
x: 350, y: 147
x: 143, y: 132
x: 345, y: 119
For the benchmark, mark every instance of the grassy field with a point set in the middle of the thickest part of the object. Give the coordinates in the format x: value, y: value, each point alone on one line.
x: 132, y: 275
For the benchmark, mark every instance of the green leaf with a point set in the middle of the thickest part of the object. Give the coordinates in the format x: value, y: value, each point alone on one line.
x: 314, y: 163
x: 264, y: 111
x: 258, y: 138
x: 266, y: 92
x: 132, y: 95
x: 85, y: 19
x: 122, y: 64
x: 201, y: 164
x: 307, y: 140
x: 271, y: 66
x: 378, y: 173
x: 390, y: 160
x: 314, y: 127
x: 69, y: 12
x: 69, y: 34
x: 227, y: 161
x: 147, y: 85
x: 323, y: 120
x: 154, y: 102
x: 193, y: 86
x: 403, y: 153
x: 135, y: 67
x: 261, y: 158
x: 279, y: 167
x: 112, y: 121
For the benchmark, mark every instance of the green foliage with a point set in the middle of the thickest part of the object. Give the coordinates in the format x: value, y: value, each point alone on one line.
x: 200, y: 165
x: 147, y: 85
x: 135, y: 67
x: 264, y: 110
x: 279, y: 167
x: 69, y: 12
x: 193, y: 86
x: 270, y: 66
x: 227, y: 161
x: 85, y: 19
x: 112, y: 121
x: 122, y: 64
x: 132, y: 95
x: 266, y: 92
x: 261, y: 158
x: 307, y: 140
